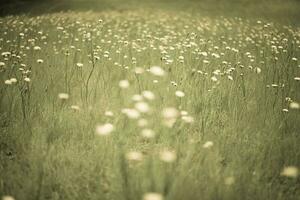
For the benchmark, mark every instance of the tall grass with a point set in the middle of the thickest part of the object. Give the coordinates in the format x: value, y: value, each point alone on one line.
x: 230, y: 136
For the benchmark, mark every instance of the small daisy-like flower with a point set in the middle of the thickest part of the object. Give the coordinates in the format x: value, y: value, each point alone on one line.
x: 105, y: 129
x: 134, y: 156
x: 290, y: 171
x: 139, y: 70
x: 13, y: 80
x: 170, y: 116
x: 131, y: 113
x: 230, y: 77
x: 109, y: 113
x: 179, y: 93
x: 37, y: 48
x: 167, y: 156
x: 7, y: 197
x: 27, y: 79
x: 170, y: 112
x: 8, y: 82
x: 187, y: 119
x: 206, y: 61
x: 297, y: 78
x: 40, y: 61
x: 75, y: 107
x: 183, y: 113
x: 208, y: 144
x: 63, y: 96
x: 257, y: 70
x: 124, y: 84
x: 142, y: 107
x: 148, y: 95
x: 294, y: 105
x: 152, y: 196
x: 285, y: 110
x: 2, y: 64
x: 274, y: 85
x: 214, y: 79
x: 79, y: 65
x: 157, y: 71
x: 137, y: 97
x: 148, y: 133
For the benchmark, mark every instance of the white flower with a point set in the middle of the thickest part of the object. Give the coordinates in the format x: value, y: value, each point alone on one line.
x: 63, y: 96
x: 75, y: 107
x: 134, y: 156
x: 7, y: 82
x: 5, y: 54
x: 157, y: 71
x: 7, y: 197
x: 137, y: 97
x: 2, y: 64
x: 290, y: 171
x: 167, y: 156
x: 214, y: 79
x: 294, y: 105
x: 257, y: 70
x: 13, y: 80
x: 183, y: 113
x: 131, y: 113
x: 36, y: 48
x: 230, y: 77
x: 152, y: 196
x: 139, y: 70
x: 40, y: 61
x: 285, y: 110
x: 170, y: 112
x: 297, y: 78
x: 148, y: 95
x: 170, y: 115
x: 124, y: 84
x: 143, y: 107
x: 104, y: 129
x: 208, y: 144
x: 109, y: 113
x: 179, y: 93
x: 187, y: 119
x: 148, y: 133
x: 26, y: 79
x: 79, y: 65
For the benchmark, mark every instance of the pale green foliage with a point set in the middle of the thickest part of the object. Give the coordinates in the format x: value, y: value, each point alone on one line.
x: 218, y: 110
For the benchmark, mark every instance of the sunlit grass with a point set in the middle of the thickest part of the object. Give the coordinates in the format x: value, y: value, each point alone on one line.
x: 142, y: 105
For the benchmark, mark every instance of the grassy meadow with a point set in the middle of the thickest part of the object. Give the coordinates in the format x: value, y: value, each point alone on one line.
x: 158, y: 102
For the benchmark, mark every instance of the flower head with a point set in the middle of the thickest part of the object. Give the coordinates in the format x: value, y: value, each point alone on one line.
x: 63, y: 96
x: 157, y: 71
x: 104, y: 129
x: 152, y: 196
x: 290, y: 171
x: 167, y: 156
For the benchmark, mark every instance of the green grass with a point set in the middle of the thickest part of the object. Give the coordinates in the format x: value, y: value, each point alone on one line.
x: 49, y: 150
x: 284, y: 11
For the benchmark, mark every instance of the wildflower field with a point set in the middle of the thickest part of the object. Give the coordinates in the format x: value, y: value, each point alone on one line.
x: 149, y: 104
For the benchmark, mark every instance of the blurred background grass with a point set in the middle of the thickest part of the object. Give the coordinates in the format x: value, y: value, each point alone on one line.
x: 286, y: 11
